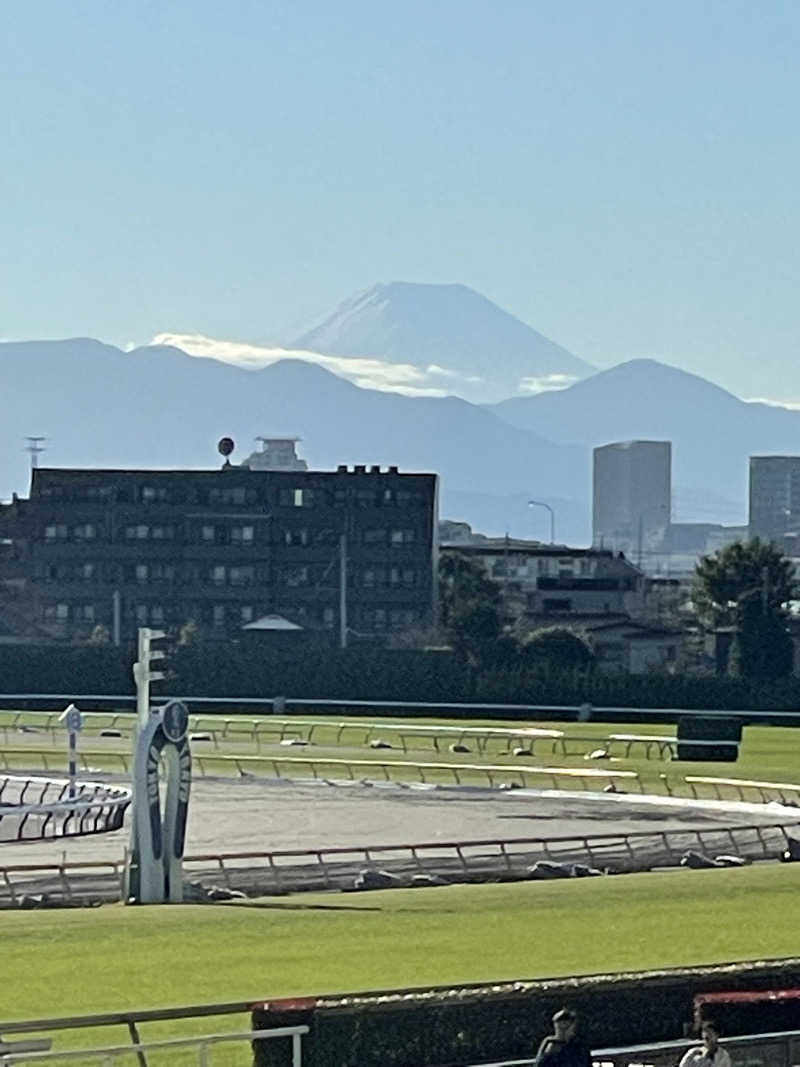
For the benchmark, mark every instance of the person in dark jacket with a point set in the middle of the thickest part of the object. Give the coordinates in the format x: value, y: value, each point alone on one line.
x: 563, y: 1048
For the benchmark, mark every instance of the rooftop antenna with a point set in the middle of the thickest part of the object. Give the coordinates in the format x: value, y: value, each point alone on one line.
x: 35, y: 447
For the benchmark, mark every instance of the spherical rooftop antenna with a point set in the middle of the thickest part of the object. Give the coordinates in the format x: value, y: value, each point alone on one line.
x: 225, y: 446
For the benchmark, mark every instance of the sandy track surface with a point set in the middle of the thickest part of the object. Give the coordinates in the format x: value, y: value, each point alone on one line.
x: 264, y: 815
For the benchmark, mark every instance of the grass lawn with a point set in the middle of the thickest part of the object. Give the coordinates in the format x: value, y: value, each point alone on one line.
x: 767, y: 753
x: 112, y: 958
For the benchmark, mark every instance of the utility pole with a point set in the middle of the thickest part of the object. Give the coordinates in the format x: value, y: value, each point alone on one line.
x: 764, y: 591
x: 343, y: 591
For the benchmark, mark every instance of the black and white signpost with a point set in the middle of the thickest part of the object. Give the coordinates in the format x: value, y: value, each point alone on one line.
x: 73, y: 720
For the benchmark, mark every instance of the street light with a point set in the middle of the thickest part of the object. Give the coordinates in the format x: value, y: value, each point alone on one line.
x: 541, y: 504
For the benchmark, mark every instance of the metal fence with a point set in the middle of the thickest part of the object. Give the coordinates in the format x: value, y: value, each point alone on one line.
x: 292, y: 870
x: 200, y: 1048
x: 36, y: 808
x: 780, y: 1049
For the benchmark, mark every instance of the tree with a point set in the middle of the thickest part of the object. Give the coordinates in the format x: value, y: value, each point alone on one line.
x: 557, y: 646
x: 748, y: 586
x: 469, y: 603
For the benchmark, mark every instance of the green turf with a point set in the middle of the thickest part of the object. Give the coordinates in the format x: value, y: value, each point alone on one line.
x: 767, y: 753
x: 82, y: 961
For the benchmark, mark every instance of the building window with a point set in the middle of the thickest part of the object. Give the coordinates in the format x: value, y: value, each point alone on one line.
x: 246, y: 613
x: 399, y: 538
x: 295, y: 576
x: 142, y: 572
x: 296, y: 538
x: 218, y: 615
x: 56, y: 612
x: 365, y: 498
x: 241, y: 575
x: 162, y: 533
x: 404, y: 498
x: 157, y: 614
x: 232, y: 495
x: 86, y: 571
x: 328, y: 618
x: 402, y: 576
x: 402, y: 618
x: 375, y: 536
x: 296, y: 498
x: 243, y: 534
x: 85, y: 532
x: 150, y: 493
x: 556, y: 604
x: 140, y: 612
x: 373, y: 576
x: 207, y: 533
x: 137, y: 533
x: 56, y: 532
x: 83, y: 613
x: 219, y: 575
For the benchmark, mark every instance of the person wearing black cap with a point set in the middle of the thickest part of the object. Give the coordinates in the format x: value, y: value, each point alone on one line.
x: 563, y: 1048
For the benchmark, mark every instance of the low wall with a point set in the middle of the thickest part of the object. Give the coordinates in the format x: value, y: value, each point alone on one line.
x: 477, y: 1024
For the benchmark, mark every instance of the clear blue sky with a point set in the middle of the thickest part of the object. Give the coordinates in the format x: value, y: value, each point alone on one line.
x: 622, y: 175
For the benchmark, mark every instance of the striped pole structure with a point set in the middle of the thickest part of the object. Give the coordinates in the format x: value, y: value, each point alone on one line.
x: 74, y: 721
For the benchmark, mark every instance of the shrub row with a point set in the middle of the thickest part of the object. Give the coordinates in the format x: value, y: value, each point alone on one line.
x: 369, y: 674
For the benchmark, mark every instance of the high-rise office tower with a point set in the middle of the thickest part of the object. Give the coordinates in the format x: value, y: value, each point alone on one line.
x: 774, y: 496
x: 632, y: 496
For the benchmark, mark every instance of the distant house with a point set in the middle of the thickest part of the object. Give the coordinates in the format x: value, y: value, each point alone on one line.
x: 552, y: 582
x: 633, y: 647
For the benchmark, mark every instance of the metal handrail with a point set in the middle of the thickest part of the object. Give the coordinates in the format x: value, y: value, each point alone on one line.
x: 636, y: 1054
x: 112, y: 1052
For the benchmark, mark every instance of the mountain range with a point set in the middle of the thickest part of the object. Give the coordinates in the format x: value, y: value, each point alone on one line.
x: 157, y: 406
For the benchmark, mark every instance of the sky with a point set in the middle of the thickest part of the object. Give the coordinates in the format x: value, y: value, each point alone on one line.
x: 622, y: 176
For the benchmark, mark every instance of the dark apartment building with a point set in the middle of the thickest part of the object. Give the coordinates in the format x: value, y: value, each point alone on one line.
x: 774, y: 497
x: 632, y: 491
x: 129, y: 548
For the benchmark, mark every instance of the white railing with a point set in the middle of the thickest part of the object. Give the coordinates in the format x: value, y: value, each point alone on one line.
x: 437, y: 708
x: 329, y: 868
x: 110, y: 1055
x: 784, y: 1043
x: 34, y: 808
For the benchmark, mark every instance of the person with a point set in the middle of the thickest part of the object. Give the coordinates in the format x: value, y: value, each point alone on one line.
x: 563, y: 1048
x: 710, y: 1053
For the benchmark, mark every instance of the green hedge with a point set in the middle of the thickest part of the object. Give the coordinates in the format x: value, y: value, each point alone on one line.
x: 364, y: 673
x: 449, y: 1028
